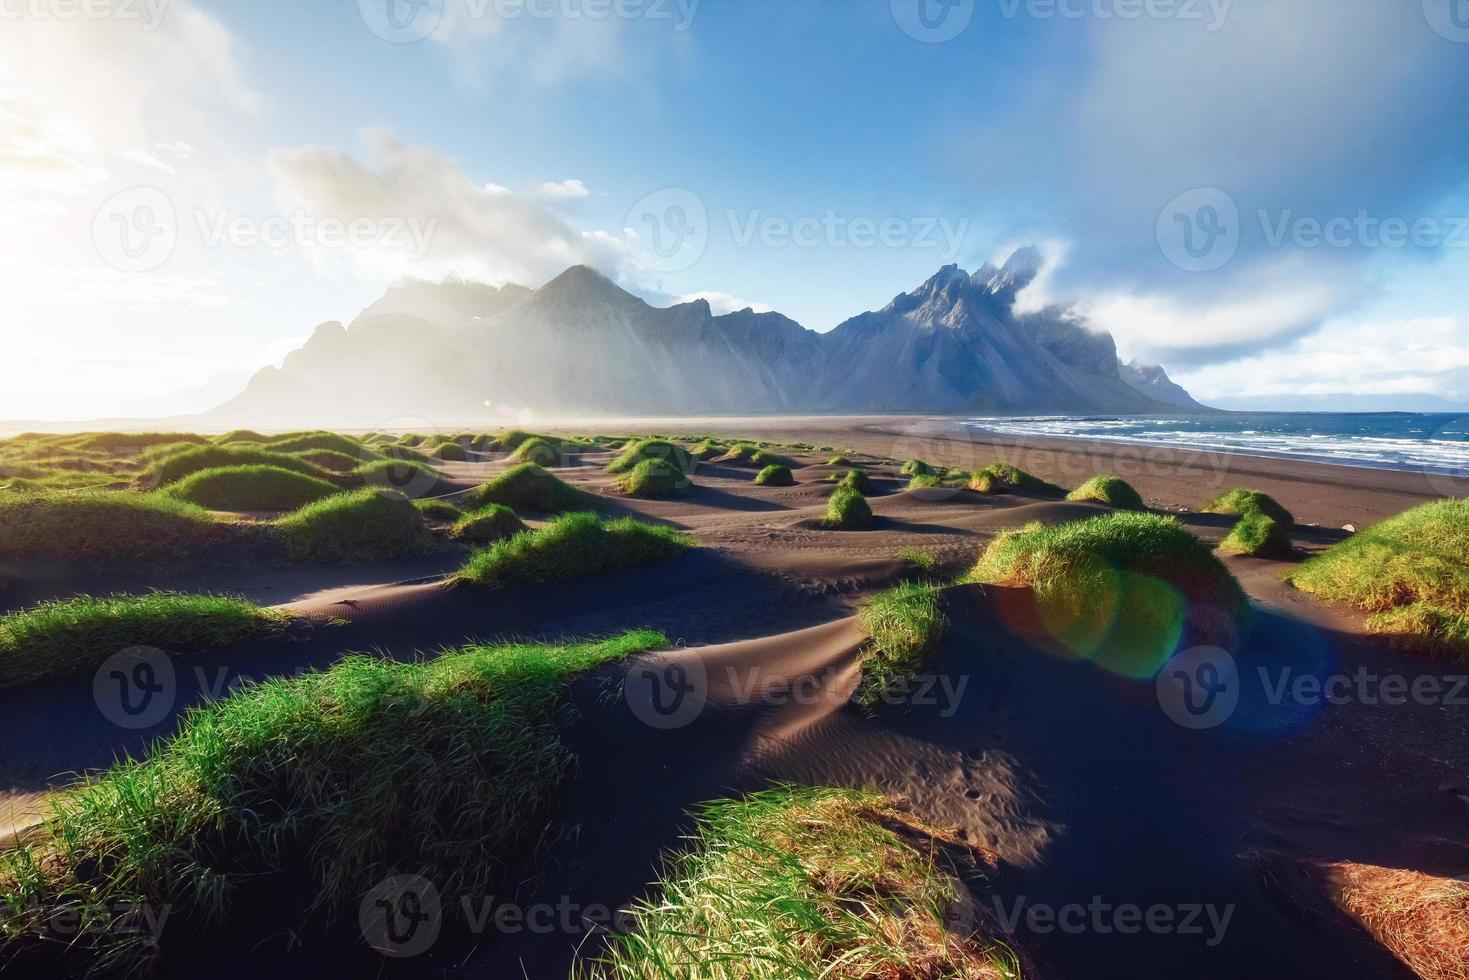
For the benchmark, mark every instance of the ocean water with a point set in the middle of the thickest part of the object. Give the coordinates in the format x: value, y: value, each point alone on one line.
x: 1389, y: 440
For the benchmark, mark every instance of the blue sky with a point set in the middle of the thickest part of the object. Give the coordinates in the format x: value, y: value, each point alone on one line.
x: 519, y: 136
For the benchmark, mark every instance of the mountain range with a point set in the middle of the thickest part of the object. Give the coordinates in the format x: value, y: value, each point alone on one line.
x: 580, y: 346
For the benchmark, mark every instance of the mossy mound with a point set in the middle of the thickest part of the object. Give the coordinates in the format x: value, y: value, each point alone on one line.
x: 1003, y: 477
x: 451, y: 452
x: 775, y: 476
x: 652, y: 449
x: 655, y: 479
x: 75, y: 636
x: 104, y: 526
x: 529, y: 488
x: 1126, y: 590
x: 250, y: 488
x: 1411, y: 572
x: 847, y: 510
x: 1264, y: 526
x: 487, y: 525
x: 362, y: 525
x: 1110, y: 490
x: 572, y: 546
x: 173, y: 468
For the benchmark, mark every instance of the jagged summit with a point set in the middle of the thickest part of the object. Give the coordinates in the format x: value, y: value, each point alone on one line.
x: 583, y: 345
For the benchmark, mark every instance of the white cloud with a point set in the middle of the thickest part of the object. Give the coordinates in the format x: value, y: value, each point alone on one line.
x: 566, y: 190
x: 1422, y: 356
x: 722, y: 303
x: 474, y: 230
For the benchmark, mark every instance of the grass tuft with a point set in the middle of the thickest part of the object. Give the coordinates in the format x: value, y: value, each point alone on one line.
x: 102, y: 526
x: 74, y: 636
x: 657, y: 449
x: 1126, y: 589
x: 528, y: 487
x: 572, y: 546
x: 1110, y: 490
x: 655, y: 479
x: 1002, y: 477
x: 775, y: 476
x: 250, y: 488
x: 807, y: 884
x: 1410, y: 572
x: 902, y: 625
x: 173, y: 468
x: 847, y: 510
x: 495, y: 522
x: 445, y: 768
x: 438, y: 509
x: 361, y: 525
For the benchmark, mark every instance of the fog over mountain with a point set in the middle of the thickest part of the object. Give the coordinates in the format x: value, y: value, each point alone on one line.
x: 581, y: 345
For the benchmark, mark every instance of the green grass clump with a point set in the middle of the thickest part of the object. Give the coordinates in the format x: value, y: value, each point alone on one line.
x: 572, y: 546
x: 856, y: 479
x: 103, y: 526
x: 250, y: 488
x: 240, y: 435
x: 917, y: 467
x: 1000, y: 477
x: 1264, y: 526
x: 361, y: 525
x: 74, y: 636
x: 925, y: 561
x: 775, y: 476
x: 542, y: 452
x: 488, y: 524
x: 709, y: 449
x: 451, y: 452
x: 925, y: 481
x: 398, y: 474
x: 1125, y: 589
x: 847, y: 510
x: 1241, y: 501
x: 655, y: 479
x: 806, y: 884
x: 173, y: 468
x: 902, y: 625
x: 332, y: 462
x: 438, y: 509
x: 646, y: 449
x: 130, y: 442
x: 528, y: 487
x: 1411, y: 572
x: 446, y: 768
x: 839, y: 461
x: 1109, y: 490
x: 305, y: 442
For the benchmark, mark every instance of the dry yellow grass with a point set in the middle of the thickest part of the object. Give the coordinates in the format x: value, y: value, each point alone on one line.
x: 1422, y: 919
